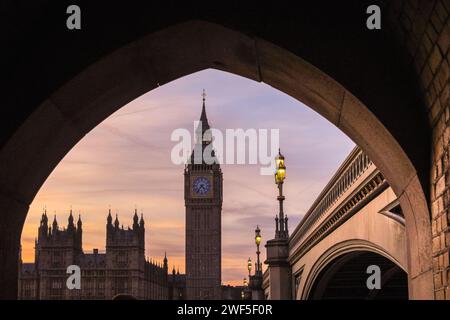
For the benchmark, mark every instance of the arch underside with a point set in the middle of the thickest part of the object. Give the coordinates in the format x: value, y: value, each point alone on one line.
x: 343, y: 251
x: 346, y: 277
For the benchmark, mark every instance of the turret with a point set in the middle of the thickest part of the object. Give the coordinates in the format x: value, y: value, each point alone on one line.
x: 70, y: 224
x: 109, y: 218
x: 43, y: 227
x: 165, y: 265
x: 116, y: 222
x: 79, y: 223
x: 54, y: 225
x: 135, y: 220
x: 79, y: 233
x: 141, y: 222
x: 140, y: 228
x: 44, y: 219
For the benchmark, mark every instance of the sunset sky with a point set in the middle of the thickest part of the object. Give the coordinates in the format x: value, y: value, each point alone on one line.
x: 125, y: 163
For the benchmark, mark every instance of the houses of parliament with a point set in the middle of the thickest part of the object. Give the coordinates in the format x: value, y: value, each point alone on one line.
x: 123, y: 268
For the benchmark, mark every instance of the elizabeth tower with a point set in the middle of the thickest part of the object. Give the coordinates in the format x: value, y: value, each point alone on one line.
x: 203, y: 200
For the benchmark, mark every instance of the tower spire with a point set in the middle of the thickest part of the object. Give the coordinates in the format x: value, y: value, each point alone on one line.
x: 135, y: 220
x: 79, y: 223
x: 141, y: 222
x: 55, y: 224
x: 165, y: 261
x: 109, y: 217
x: 44, y: 218
x: 116, y: 222
x: 203, y: 117
x: 70, y: 224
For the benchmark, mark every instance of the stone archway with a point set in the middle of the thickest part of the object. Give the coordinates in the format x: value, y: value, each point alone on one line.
x: 70, y: 112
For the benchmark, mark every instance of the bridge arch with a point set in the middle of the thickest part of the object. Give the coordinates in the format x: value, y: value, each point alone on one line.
x: 74, y: 109
x: 343, y: 251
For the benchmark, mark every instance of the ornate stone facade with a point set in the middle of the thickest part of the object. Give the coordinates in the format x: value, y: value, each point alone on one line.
x: 122, y: 269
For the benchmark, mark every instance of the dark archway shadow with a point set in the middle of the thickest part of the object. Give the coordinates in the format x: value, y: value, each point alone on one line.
x: 124, y: 296
x: 34, y: 150
x: 345, y: 278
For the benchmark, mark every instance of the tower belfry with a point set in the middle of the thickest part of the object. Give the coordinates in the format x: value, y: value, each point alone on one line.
x: 203, y: 200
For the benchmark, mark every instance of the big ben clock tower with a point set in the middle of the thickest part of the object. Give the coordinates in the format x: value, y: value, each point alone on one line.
x: 203, y: 201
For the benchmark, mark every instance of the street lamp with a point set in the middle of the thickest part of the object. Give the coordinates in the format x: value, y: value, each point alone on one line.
x: 249, y: 266
x: 281, y: 230
x: 280, y: 173
x: 244, y: 292
x: 257, y: 242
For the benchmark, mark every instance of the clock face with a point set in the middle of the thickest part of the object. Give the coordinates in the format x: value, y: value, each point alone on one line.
x: 201, y: 186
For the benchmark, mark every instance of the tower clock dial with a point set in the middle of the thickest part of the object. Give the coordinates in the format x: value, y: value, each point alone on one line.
x: 201, y: 186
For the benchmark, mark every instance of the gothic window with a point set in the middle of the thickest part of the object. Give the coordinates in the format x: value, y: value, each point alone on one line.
x: 56, y: 287
x: 57, y: 259
x: 121, y: 259
x: 56, y: 284
x: 101, y: 284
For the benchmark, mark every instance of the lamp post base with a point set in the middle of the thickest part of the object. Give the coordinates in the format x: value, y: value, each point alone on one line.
x: 280, y: 273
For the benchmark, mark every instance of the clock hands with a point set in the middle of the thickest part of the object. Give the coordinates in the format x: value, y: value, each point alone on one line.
x: 201, y: 186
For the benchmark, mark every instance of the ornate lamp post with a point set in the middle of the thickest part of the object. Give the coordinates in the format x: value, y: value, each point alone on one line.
x: 246, y: 293
x: 249, y: 267
x: 281, y: 228
x: 258, y: 269
x: 256, y: 280
x: 278, y: 249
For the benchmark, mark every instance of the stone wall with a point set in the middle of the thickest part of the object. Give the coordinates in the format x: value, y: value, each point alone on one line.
x: 423, y: 28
